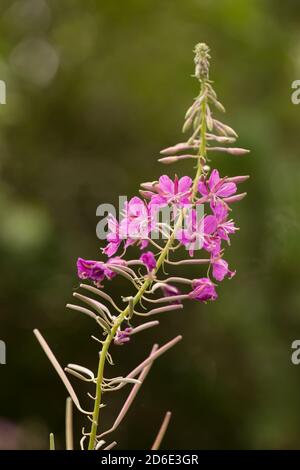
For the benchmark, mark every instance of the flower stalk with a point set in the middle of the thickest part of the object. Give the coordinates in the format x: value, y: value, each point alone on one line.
x: 203, y: 55
x: 183, y: 230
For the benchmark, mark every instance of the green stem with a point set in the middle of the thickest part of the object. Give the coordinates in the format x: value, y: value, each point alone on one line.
x: 145, y: 285
x: 202, y: 146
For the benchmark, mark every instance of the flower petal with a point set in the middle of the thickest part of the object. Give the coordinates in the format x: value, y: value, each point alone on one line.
x: 149, y: 260
x: 166, y: 185
x: 220, y: 210
x: 226, y: 190
x: 184, y: 184
x: 210, y: 224
x: 213, y: 179
x: 202, y: 188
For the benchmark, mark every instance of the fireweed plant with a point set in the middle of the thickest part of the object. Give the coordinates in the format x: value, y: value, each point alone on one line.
x: 154, y: 292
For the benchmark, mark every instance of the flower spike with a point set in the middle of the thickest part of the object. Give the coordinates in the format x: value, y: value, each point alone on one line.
x: 175, y: 221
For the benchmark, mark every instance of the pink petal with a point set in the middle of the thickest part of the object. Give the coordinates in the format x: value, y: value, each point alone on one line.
x: 220, y: 210
x: 143, y: 244
x: 184, y: 184
x: 136, y: 201
x: 220, y: 269
x: 111, y: 248
x: 112, y: 237
x: 166, y: 184
x: 136, y: 207
x: 223, y: 234
x: 210, y: 224
x: 202, y: 188
x: 149, y: 260
x: 157, y: 201
x: 213, y: 179
x: 183, y: 236
x: 226, y: 190
x: 112, y: 224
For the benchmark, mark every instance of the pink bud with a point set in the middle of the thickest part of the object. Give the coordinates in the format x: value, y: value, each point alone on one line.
x: 168, y: 160
x: 221, y: 138
x: 223, y: 128
x: 146, y: 194
x: 176, y: 148
x: 230, y: 150
x: 238, y: 179
x: 237, y: 151
x: 174, y: 158
x: 235, y: 198
x: 149, y: 186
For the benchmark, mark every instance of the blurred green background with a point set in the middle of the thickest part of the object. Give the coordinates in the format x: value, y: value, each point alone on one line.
x: 94, y: 90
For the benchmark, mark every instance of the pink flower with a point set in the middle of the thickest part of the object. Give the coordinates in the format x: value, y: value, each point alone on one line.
x: 203, y: 290
x: 220, y: 269
x: 122, y: 336
x: 114, y: 238
x: 149, y: 260
x: 170, y: 291
x: 138, y: 221
x: 94, y: 270
x: 97, y: 271
x: 177, y: 192
x: 216, y: 187
x: 197, y: 234
x: 116, y: 261
x: 224, y: 227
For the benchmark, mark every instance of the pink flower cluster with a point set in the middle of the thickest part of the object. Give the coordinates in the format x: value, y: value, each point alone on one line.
x: 140, y: 220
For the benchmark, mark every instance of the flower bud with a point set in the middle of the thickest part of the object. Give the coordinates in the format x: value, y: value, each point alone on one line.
x: 231, y: 150
x: 168, y: 160
x: 235, y: 198
x: 201, y: 61
x: 175, y: 158
x: 149, y: 186
x: 238, y: 179
x: 237, y: 151
x: 146, y: 194
x: 176, y: 148
x: 227, y: 130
